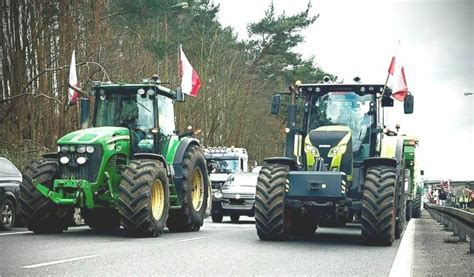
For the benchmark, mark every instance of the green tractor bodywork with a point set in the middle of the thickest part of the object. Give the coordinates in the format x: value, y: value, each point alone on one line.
x: 131, y: 169
x: 339, y: 165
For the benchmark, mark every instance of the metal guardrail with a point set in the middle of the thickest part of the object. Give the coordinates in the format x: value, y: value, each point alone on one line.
x: 460, y: 222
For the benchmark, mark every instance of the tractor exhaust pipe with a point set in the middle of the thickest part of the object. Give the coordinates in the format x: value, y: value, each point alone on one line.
x: 84, y: 113
x: 291, y: 125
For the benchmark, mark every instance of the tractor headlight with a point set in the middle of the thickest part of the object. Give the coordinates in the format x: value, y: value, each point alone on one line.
x: 81, y: 160
x: 309, y: 148
x: 218, y: 195
x: 72, y: 148
x: 90, y: 149
x: 81, y: 149
x: 64, y: 149
x: 336, y: 150
x: 64, y: 160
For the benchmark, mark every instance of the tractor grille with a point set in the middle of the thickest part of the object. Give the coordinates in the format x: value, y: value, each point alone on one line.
x: 87, y: 171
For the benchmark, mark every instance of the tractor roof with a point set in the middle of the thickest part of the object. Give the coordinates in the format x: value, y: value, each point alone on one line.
x: 135, y: 87
x: 325, y: 88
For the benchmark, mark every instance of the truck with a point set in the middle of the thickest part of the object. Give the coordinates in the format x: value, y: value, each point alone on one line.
x: 224, y: 161
x: 338, y: 165
x: 131, y: 169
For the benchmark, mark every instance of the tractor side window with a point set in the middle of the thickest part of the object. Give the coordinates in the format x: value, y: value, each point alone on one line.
x: 166, y: 115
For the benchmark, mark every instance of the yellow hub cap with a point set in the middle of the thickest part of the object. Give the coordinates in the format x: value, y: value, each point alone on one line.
x: 157, y: 199
x: 197, y: 189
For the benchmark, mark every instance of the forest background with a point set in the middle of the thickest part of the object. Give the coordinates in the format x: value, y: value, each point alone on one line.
x: 130, y: 41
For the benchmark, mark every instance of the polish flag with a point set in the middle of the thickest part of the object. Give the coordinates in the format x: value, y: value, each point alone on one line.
x: 190, y: 82
x: 400, y: 88
x: 72, y: 95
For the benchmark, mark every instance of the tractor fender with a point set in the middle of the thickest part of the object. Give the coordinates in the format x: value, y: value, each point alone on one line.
x: 178, y: 159
x: 283, y: 161
x: 152, y: 156
x: 50, y: 155
x: 378, y: 161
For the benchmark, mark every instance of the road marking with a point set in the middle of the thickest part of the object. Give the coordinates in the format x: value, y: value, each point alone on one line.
x: 60, y: 261
x: 403, y: 263
x: 192, y: 239
x: 29, y: 232
x: 15, y: 233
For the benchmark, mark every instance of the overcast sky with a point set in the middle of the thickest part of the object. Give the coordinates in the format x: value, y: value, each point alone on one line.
x: 358, y: 38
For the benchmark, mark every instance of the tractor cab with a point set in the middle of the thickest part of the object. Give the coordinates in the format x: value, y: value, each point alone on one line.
x: 145, y: 109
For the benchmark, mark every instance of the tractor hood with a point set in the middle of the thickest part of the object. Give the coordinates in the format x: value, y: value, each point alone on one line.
x: 99, y: 135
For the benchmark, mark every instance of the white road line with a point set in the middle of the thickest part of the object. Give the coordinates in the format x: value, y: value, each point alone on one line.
x: 403, y: 263
x: 28, y: 232
x: 60, y: 261
x: 192, y: 239
x: 15, y: 233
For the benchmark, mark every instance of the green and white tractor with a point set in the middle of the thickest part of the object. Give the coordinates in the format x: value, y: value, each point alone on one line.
x: 340, y: 165
x: 131, y: 169
x: 413, y: 186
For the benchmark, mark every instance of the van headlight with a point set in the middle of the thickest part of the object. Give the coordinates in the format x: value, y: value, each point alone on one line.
x: 218, y: 195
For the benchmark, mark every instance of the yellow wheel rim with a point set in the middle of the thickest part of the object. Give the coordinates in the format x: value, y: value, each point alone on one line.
x: 197, y: 189
x: 157, y: 199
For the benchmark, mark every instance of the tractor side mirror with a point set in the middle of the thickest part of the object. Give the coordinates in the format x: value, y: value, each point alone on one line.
x: 422, y: 172
x: 408, y: 104
x: 276, y: 103
x: 179, y: 95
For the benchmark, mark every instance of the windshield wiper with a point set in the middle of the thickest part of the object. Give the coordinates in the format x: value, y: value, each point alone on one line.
x: 143, y: 106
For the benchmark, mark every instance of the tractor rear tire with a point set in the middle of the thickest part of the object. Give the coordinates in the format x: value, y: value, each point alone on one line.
x: 378, y: 208
x: 101, y: 220
x: 194, y: 194
x: 416, y: 213
x: 271, y: 217
x: 235, y: 218
x: 409, y: 213
x: 40, y: 214
x: 144, y: 198
x: 401, y: 217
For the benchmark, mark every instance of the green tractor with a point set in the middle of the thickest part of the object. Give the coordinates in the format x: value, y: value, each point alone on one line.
x: 340, y: 165
x: 131, y: 169
x: 413, y: 189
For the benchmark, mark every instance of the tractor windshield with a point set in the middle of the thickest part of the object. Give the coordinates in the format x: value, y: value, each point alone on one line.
x: 124, y: 109
x: 344, y: 108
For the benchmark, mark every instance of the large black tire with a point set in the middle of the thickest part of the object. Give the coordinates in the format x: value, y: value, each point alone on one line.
x: 270, y: 208
x: 416, y: 213
x: 409, y: 213
x: 7, y: 215
x: 378, y: 207
x: 144, y: 198
x: 217, y: 218
x: 401, y: 216
x: 235, y: 218
x: 40, y: 214
x: 102, y: 220
x: 194, y: 195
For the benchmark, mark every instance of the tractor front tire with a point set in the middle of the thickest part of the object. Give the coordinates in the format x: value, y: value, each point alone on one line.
x: 194, y: 193
x: 401, y: 217
x: 40, y: 214
x: 144, y: 198
x: 409, y: 212
x: 378, y: 208
x: 101, y: 220
x: 416, y: 213
x: 271, y: 217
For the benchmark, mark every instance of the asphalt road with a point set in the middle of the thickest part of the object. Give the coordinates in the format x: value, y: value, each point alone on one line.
x: 217, y: 249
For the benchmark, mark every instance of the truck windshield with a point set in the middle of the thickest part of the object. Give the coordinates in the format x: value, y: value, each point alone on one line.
x: 222, y: 166
x: 343, y: 108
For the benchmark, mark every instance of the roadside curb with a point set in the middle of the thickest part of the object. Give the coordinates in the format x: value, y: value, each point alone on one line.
x: 402, y: 265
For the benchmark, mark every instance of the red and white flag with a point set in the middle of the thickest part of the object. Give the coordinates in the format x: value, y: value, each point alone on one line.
x: 190, y: 82
x: 72, y: 95
x: 400, y: 88
x: 391, y: 68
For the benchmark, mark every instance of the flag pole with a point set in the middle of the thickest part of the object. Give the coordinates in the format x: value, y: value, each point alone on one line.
x: 390, y: 72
